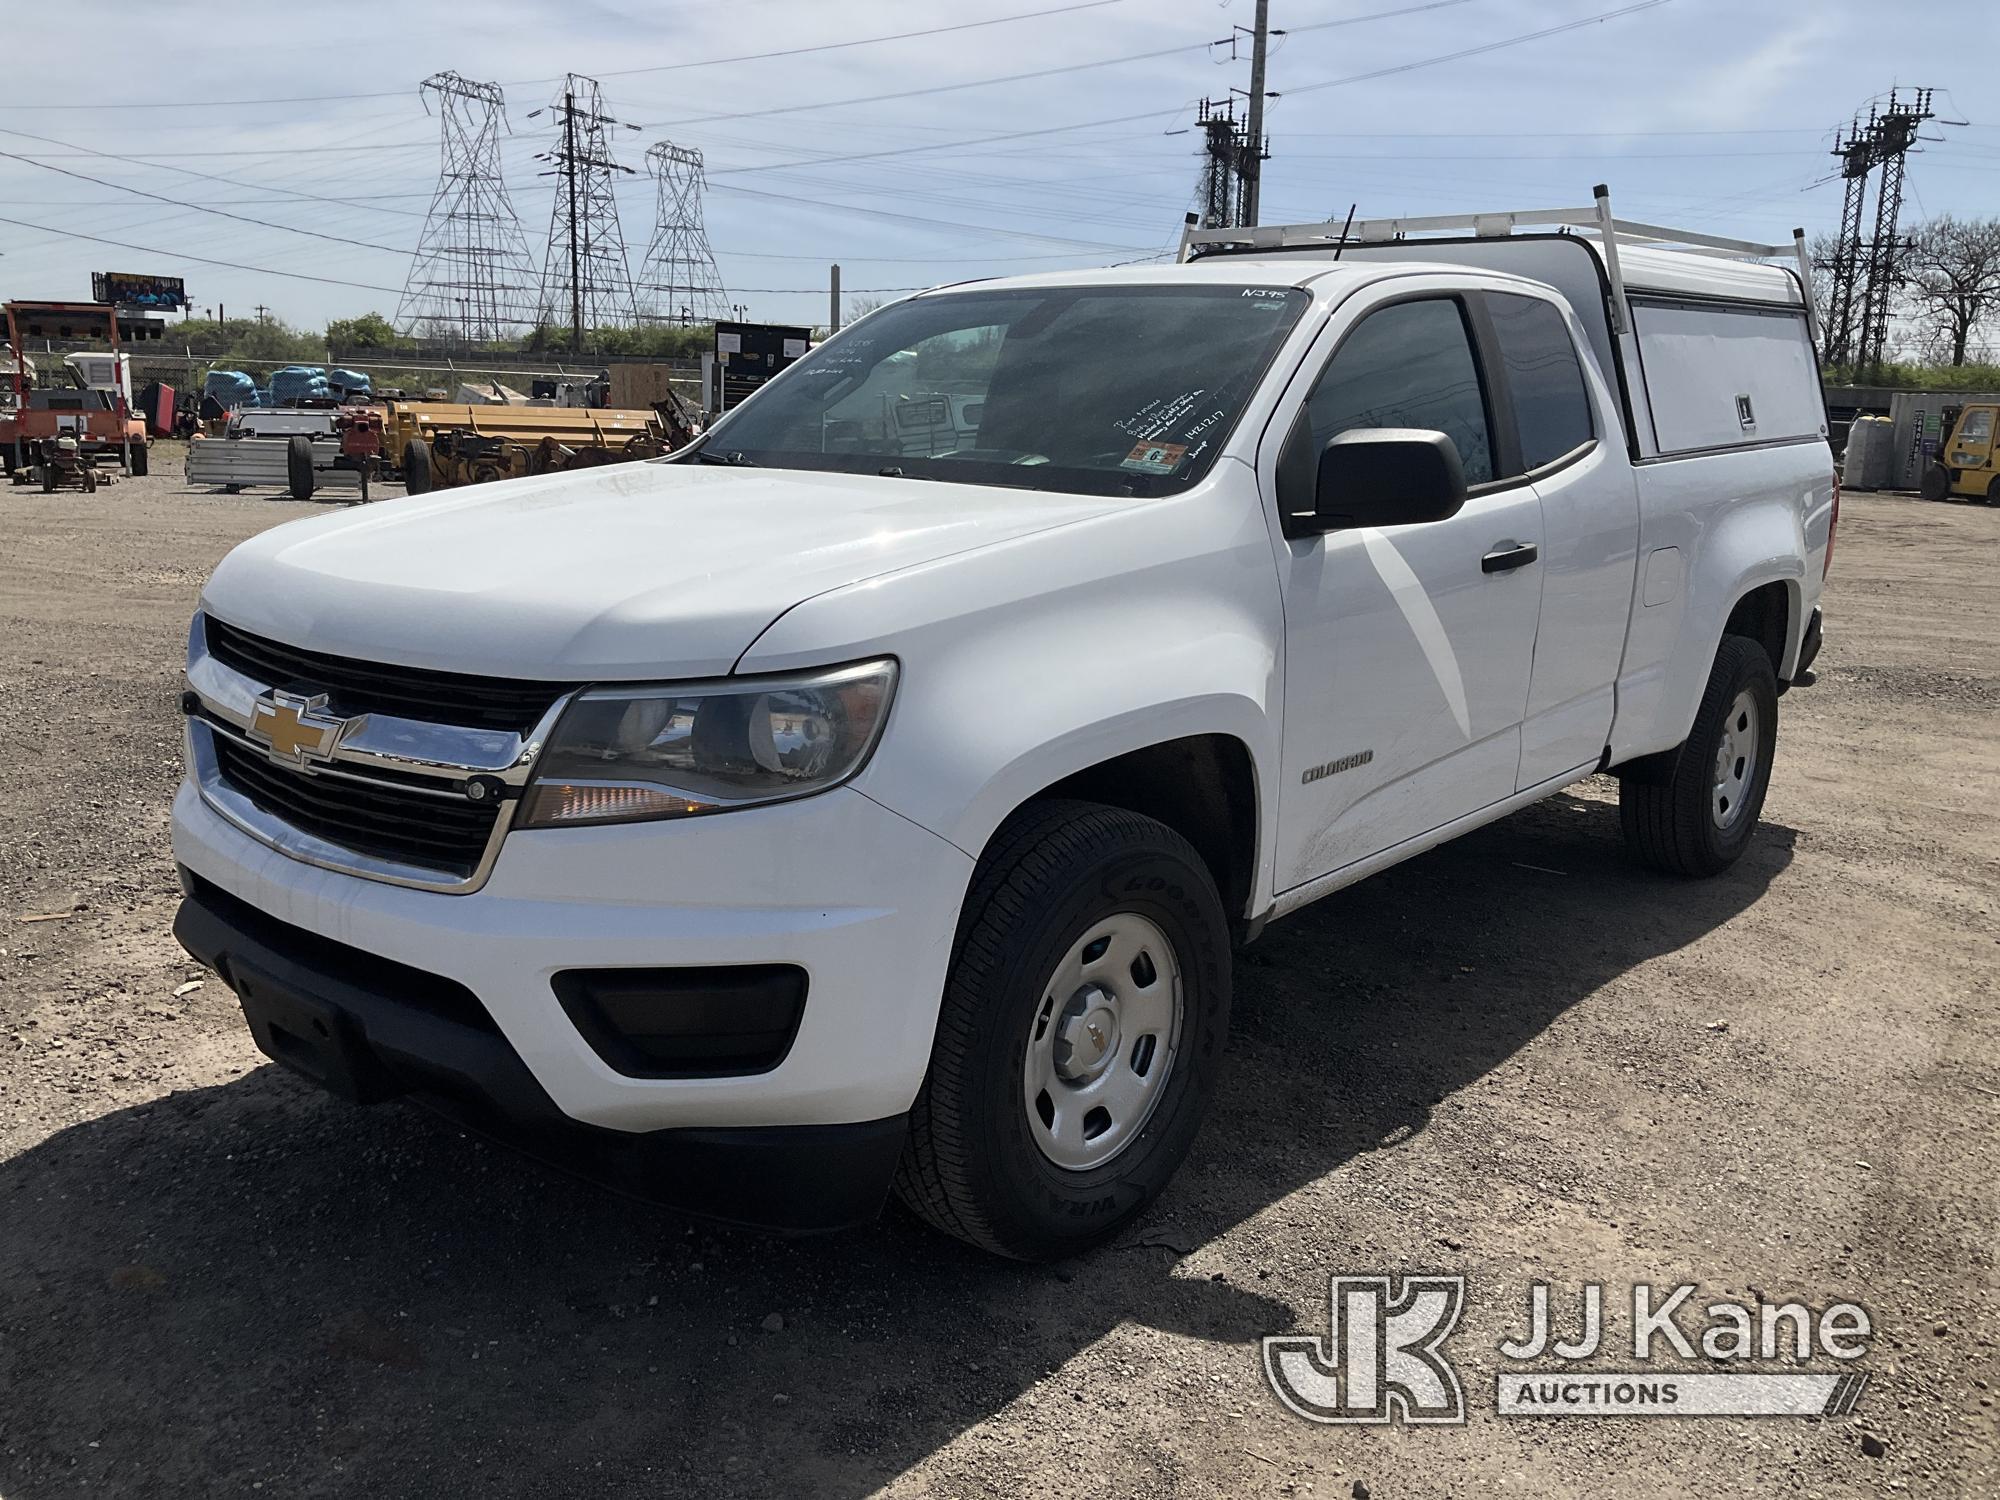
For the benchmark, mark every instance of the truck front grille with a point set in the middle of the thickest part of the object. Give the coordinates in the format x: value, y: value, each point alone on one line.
x: 378, y: 817
x: 361, y: 687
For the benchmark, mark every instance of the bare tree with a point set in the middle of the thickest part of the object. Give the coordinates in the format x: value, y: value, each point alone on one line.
x: 1952, y: 279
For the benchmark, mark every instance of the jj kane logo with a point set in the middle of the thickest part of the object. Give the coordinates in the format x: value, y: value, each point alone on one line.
x: 1384, y: 1358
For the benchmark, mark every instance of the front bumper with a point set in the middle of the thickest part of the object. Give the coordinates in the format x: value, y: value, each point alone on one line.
x: 860, y: 898
x: 368, y: 1029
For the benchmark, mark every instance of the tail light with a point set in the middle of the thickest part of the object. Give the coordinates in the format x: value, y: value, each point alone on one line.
x: 1832, y: 525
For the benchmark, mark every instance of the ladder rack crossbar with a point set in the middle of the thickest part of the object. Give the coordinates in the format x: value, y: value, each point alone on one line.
x: 1596, y: 220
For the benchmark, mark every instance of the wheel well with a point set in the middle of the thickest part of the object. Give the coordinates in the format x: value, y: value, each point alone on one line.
x: 1203, y: 787
x: 1764, y: 615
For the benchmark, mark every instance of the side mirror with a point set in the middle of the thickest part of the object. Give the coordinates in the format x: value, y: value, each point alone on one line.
x: 1387, y: 476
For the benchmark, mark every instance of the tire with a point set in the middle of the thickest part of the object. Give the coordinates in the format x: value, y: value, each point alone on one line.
x: 1935, y: 483
x: 1057, y: 878
x: 142, y: 461
x: 299, y: 466
x: 48, y: 478
x: 1993, y: 490
x: 1694, y: 810
x: 89, y: 480
x: 417, y: 466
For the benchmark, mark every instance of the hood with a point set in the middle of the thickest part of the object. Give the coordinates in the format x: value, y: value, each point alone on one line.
x: 632, y: 571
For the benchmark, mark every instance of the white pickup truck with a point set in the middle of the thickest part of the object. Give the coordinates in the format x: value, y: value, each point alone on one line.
x: 857, y: 800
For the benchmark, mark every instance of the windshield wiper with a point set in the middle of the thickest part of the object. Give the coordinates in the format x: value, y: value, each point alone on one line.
x: 734, y: 459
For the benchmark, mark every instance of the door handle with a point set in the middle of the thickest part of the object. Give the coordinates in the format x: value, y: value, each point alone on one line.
x: 1506, y: 559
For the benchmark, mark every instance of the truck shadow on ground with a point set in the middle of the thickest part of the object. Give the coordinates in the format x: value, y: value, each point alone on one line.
x: 252, y: 1284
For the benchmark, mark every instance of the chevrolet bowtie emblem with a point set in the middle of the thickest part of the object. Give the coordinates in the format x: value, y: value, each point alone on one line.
x: 296, y: 728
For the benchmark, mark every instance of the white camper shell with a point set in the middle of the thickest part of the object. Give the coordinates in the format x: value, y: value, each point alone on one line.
x: 1709, y: 346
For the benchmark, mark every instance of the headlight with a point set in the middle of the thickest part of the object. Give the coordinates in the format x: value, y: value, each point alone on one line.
x: 619, y: 755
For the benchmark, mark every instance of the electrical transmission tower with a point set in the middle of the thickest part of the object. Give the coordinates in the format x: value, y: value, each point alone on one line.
x: 471, y: 273
x: 1856, y: 160
x: 1232, y: 173
x: 1865, y: 273
x: 586, y: 281
x: 679, y: 281
x: 1222, y: 187
x: 1895, y: 132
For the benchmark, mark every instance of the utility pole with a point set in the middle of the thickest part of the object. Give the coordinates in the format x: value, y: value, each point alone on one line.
x: 1252, y: 169
x: 569, y: 178
x: 833, y: 300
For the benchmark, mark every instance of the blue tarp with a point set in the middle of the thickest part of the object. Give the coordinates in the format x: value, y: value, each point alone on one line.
x: 232, y: 388
x: 300, y: 383
x: 351, y: 385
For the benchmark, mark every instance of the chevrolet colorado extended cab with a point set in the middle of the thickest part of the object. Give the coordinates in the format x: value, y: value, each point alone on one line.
x: 869, y: 794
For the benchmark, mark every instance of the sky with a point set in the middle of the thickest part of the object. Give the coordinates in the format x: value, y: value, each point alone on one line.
x: 1060, y: 135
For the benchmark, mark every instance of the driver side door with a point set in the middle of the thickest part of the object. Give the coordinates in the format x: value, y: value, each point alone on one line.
x: 1408, y: 648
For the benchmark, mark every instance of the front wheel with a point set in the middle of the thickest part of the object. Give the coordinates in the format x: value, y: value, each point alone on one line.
x: 1080, y: 1037
x: 1693, y: 811
x: 1935, y: 483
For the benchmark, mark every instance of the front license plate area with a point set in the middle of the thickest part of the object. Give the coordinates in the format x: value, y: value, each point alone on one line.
x: 311, y: 1036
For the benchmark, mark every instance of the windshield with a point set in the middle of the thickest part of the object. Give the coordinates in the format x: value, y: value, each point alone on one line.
x: 1101, y: 390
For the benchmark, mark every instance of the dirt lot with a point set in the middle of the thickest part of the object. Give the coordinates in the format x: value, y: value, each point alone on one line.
x: 1518, y: 1058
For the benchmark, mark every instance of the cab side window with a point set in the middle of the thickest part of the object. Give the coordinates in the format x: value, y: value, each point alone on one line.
x: 1407, y: 365
x: 1544, y: 378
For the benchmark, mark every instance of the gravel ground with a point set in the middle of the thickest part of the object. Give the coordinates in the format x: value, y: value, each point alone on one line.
x: 1517, y: 1057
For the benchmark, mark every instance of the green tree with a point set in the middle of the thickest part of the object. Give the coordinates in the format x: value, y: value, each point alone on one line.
x: 369, y: 331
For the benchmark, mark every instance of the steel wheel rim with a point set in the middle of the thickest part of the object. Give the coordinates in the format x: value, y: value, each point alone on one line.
x: 1735, y: 762
x: 1102, y: 1043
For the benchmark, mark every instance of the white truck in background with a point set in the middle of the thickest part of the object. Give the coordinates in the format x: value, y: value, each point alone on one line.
x: 825, y: 808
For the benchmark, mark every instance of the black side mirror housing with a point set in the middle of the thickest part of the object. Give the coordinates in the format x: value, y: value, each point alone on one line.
x: 1386, y: 476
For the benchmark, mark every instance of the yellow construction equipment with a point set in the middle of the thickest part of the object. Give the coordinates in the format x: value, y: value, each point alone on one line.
x: 438, y: 444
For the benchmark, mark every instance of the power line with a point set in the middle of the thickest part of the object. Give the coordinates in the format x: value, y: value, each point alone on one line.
x: 866, y: 41
x: 347, y: 150
x: 1053, y: 72
x: 232, y: 265
x: 619, y: 73
x: 883, y: 213
x: 1512, y: 41
x: 1158, y: 114
x: 204, y: 176
x: 220, y: 213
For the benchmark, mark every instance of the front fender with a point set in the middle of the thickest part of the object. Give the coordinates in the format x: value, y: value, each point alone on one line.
x: 1031, y: 660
